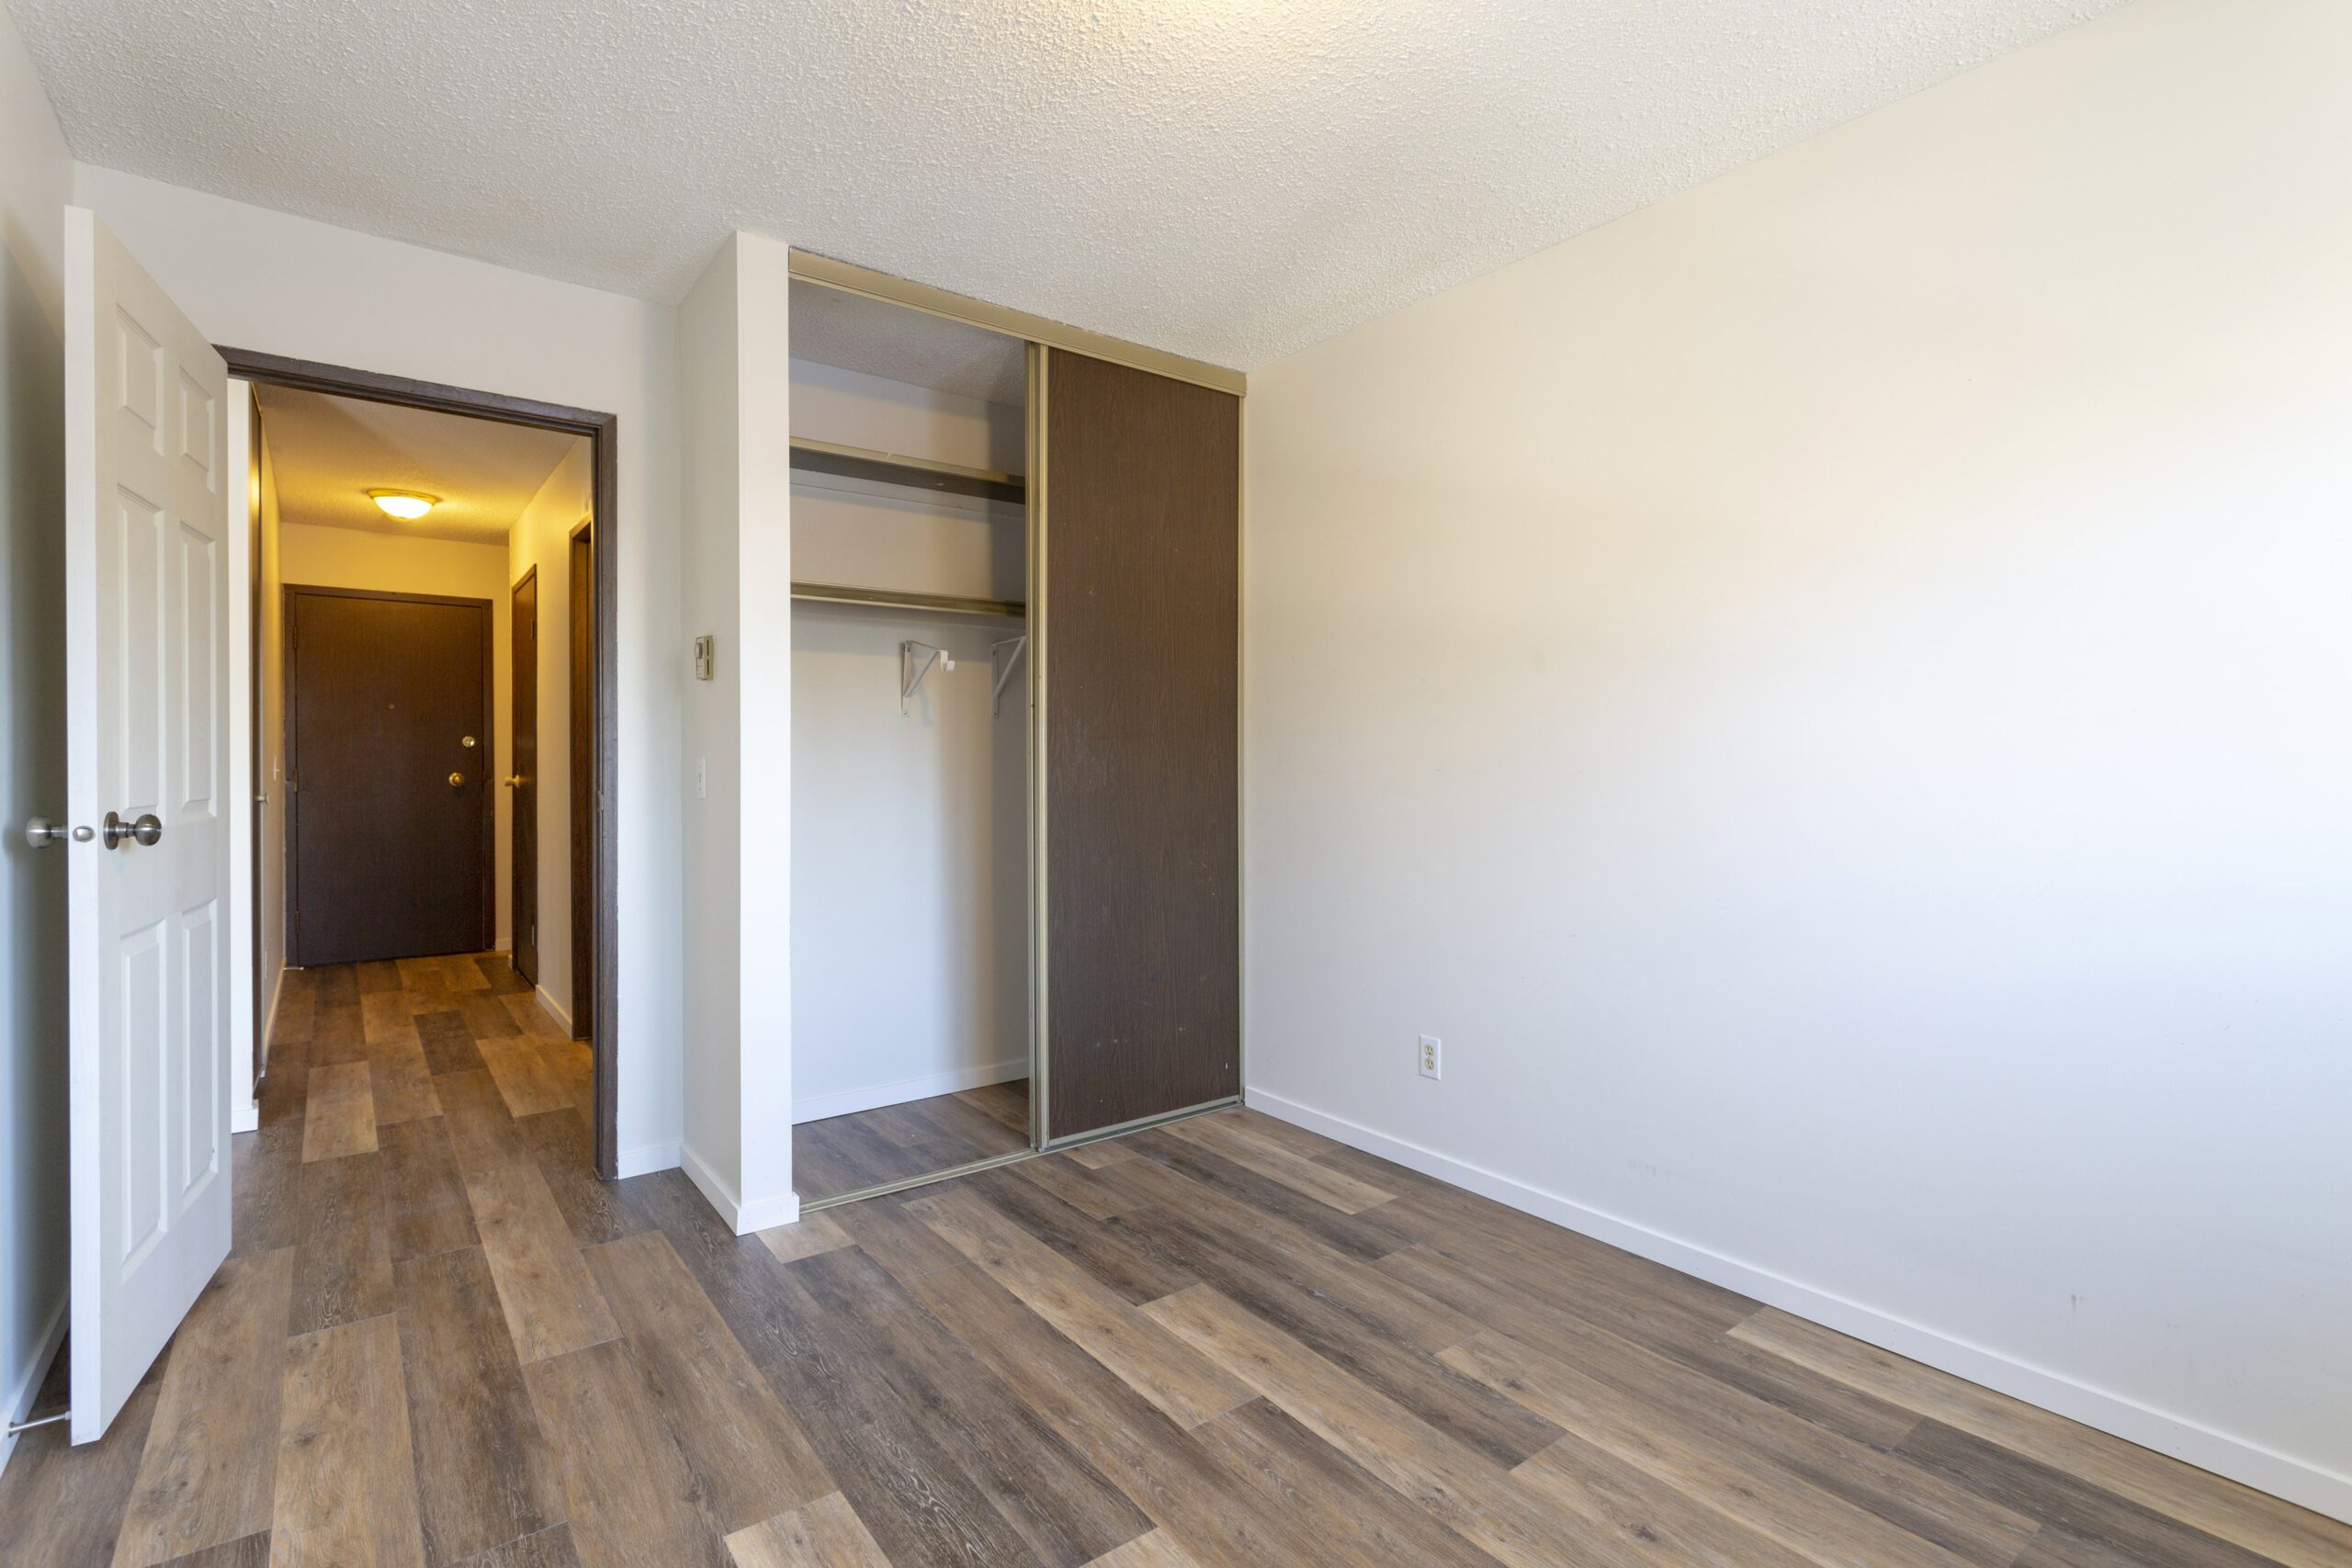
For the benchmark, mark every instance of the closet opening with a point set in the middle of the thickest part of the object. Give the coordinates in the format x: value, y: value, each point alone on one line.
x: 911, y: 744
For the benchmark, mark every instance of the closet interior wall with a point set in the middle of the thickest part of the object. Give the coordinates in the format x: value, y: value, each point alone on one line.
x: 910, y: 828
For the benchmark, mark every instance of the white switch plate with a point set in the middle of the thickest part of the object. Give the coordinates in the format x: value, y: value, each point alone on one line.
x: 1432, y: 1056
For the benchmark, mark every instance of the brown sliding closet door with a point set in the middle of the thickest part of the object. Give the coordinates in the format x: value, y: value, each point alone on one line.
x: 1142, y: 535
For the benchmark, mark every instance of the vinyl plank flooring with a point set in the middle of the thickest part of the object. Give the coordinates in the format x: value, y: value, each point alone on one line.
x: 487, y: 1015
x: 1066, y: 1512
x: 1237, y: 1141
x: 531, y: 1020
x: 210, y: 1457
x: 2198, y: 1498
x: 1228, y: 1344
x: 896, y: 1143
x: 1103, y: 1324
x: 426, y: 1208
x: 485, y: 1473
x: 633, y: 1499
x: 345, y: 1490
x: 750, y: 1456
x: 1454, y: 1486
x: 342, y: 1263
x: 386, y: 1018
x: 447, y: 1041
x: 826, y: 1533
x: 1746, y: 1485
x: 340, y: 1118
x: 552, y: 1306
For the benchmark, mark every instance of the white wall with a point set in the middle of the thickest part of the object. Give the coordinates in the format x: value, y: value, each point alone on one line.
x: 312, y: 556
x: 736, y: 547
x: 35, y: 174
x: 264, y: 280
x: 541, y: 538
x: 1829, y: 694
x: 909, y: 874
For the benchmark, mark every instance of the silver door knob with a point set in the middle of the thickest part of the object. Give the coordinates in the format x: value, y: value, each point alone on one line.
x: 40, y: 832
x: 148, y: 829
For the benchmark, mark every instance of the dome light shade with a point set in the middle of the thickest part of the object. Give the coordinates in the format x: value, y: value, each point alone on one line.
x: 408, y: 505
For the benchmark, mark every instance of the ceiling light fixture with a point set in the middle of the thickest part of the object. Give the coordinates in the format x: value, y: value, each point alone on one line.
x: 408, y: 505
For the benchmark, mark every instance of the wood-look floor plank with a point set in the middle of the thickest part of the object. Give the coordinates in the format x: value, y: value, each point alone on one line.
x: 1238, y: 1141
x: 340, y: 1117
x: 486, y: 1014
x: 1299, y: 1472
x: 1102, y: 1152
x: 1076, y: 1185
x: 596, y: 1211
x: 632, y: 1497
x: 426, y: 1208
x: 826, y: 1533
x: 1489, y: 1422
x: 246, y: 1552
x: 552, y: 1306
x: 211, y: 1458
x: 1104, y: 1324
x: 460, y: 972
x: 343, y: 1260
x: 346, y: 1489
x: 1139, y: 1273
x: 2088, y: 1512
x: 805, y: 1238
x: 1368, y: 1235
x: 62, y: 1507
x: 387, y: 1017
x: 447, y: 1043
x: 1157, y: 1550
x: 266, y: 1188
x: 1458, y: 1488
x: 750, y: 1456
x: 1126, y: 1437
x: 739, y: 1274
x: 401, y: 1082
x: 1746, y: 1485
x: 884, y: 1230
x: 550, y: 1548
x: 2262, y: 1524
x: 524, y: 1080
x: 1668, y: 1524
x: 1533, y: 1320
x: 1366, y: 1292
x: 1066, y: 1512
x: 378, y: 975
x: 485, y: 1473
x: 533, y: 1021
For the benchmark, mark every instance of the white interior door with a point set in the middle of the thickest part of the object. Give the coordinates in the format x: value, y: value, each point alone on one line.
x: 146, y: 607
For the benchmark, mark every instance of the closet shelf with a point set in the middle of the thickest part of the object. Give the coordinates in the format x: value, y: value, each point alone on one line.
x: 891, y: 467
x: 893, y: 599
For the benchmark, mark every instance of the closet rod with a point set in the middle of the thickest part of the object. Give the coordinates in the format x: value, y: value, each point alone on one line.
x: 892, y: 468
x: 892, y: 599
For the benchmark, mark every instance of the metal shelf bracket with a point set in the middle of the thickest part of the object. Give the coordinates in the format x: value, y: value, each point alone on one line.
x: 912, y: 669
x: 1004, y: 657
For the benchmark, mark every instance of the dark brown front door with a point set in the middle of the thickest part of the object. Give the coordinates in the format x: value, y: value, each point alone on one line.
x: 388, y: 809
x: 523, y: 670
x: 1142, y: 751
x: 581, y: 825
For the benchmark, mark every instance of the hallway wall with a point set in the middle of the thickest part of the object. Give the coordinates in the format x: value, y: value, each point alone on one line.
x: 541, y: 538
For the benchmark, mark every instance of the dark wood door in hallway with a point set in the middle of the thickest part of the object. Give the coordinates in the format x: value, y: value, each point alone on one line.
x: 1225, y: 1344
x: 387, y: 758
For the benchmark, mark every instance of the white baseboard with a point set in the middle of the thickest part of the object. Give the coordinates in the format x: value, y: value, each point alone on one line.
x: 850, y: 1102
x: 2260, y: 1468
x: 762, y: 1214
x: 28, y: 1381
x: 555, y: 1009
x: 646, y: 1160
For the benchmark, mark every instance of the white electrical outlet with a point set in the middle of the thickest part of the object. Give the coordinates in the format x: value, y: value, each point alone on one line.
x: 1432, y: 1056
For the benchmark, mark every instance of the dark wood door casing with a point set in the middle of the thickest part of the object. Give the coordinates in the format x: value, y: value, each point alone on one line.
x: 523, y: 810
x: 582, y: 594
x: 386, y: 858
x: 1142, y: 745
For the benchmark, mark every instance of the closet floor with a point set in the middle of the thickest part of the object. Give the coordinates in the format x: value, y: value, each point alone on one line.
x: 919, y: 1137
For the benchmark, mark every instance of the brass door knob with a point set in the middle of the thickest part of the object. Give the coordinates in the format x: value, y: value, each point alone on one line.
x: 456, y: 780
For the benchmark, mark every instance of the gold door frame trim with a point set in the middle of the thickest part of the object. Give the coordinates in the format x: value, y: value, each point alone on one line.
x: 854, y: 280
x: 1040, y: 1055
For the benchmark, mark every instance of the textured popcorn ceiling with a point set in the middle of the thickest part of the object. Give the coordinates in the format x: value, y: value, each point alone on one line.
x: 1231, y: 179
